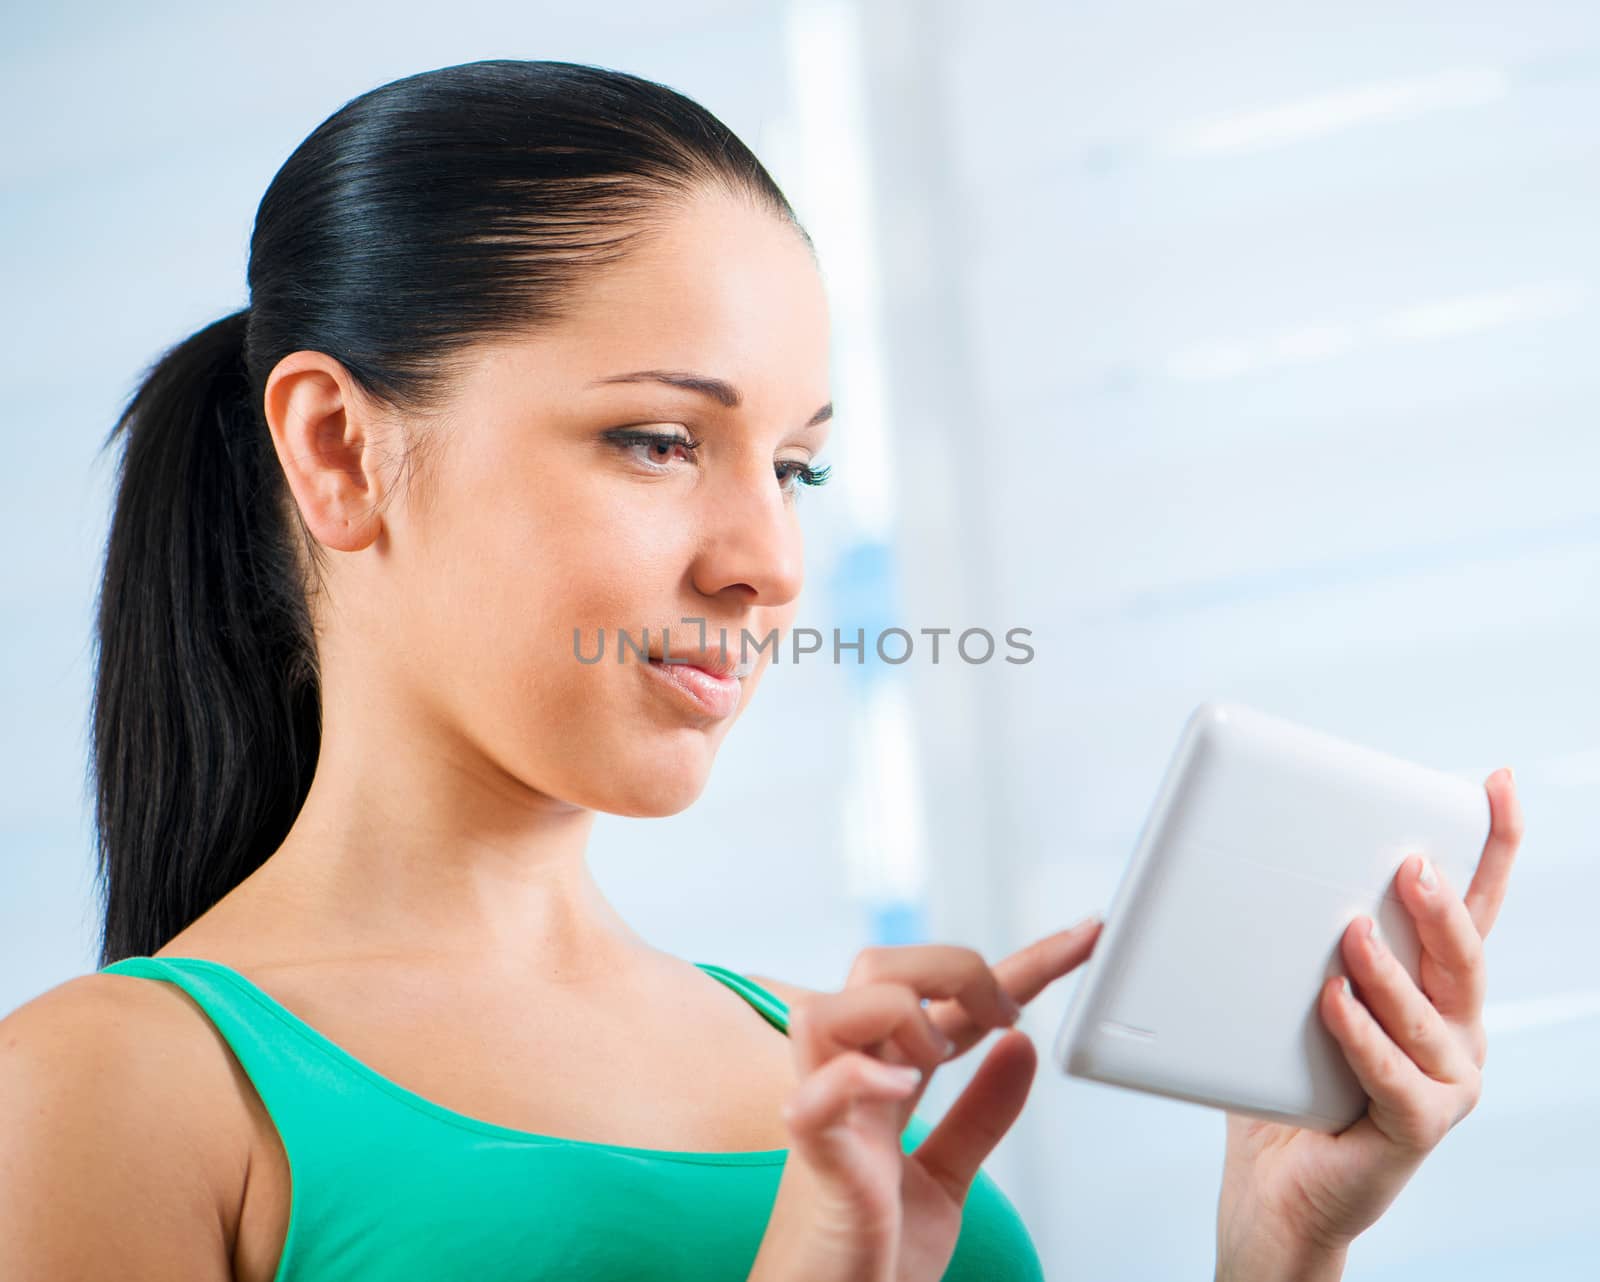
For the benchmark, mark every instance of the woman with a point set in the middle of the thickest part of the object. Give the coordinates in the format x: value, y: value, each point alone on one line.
x: 533, y: 351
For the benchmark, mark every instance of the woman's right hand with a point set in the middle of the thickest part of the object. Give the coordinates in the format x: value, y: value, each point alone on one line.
x: 852, y: 1205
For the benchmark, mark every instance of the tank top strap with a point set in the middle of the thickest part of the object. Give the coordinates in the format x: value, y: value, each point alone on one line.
x: 311, y: 1097
x: 773, y: 1007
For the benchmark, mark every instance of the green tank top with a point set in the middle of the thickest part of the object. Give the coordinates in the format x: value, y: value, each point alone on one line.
x: 386, y: 1184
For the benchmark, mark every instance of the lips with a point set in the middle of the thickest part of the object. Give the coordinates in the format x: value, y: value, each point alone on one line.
x: 716, y: 663
x: 699, y: 690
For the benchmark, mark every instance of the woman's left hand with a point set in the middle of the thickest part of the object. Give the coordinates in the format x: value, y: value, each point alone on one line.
x: 1291, y: 1197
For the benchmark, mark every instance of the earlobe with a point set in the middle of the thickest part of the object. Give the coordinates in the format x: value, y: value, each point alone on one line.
x: 322, y: 431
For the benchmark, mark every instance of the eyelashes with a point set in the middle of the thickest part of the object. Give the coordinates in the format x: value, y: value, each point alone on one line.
x: 808, y: 475
x: 633, y: 438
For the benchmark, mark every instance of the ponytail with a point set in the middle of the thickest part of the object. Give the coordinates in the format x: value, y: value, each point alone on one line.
x: 206, y: 719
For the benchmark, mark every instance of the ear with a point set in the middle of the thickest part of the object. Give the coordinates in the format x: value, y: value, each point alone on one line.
x: 330, y: 443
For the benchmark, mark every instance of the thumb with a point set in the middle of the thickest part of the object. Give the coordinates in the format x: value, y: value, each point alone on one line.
x: 982, y: 1114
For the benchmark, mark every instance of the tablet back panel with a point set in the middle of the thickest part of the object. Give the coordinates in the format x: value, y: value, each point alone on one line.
x: 1266, y: 839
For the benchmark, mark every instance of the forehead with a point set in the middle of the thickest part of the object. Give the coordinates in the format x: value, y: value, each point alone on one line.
x: 720, y: 285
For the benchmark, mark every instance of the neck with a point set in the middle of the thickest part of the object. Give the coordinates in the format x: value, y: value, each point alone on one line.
x: 412, y: 843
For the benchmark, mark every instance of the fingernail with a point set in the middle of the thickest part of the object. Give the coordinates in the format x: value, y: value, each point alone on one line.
x: 1013, y: 1012
x: 1425, y: 877
x: 899, y: 1074
x: 1371, y: 929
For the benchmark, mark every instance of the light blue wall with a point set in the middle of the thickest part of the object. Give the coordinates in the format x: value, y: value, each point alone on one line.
x: 1311, y: 425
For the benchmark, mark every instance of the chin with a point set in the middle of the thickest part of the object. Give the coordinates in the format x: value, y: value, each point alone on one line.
x: 653, y: 798
x: 651, y: 785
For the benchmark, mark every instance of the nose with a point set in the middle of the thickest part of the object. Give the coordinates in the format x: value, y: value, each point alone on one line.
x: 751, y: 546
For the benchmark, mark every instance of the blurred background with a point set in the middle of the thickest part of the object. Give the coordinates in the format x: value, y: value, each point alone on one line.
x: 1242, y: 350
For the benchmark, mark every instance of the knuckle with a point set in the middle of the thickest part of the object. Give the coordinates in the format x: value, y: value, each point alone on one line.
x: 1386, y: 1071
x: 868, y: 964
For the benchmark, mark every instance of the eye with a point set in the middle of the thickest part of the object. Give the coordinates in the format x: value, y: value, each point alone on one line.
x: 653, y: 449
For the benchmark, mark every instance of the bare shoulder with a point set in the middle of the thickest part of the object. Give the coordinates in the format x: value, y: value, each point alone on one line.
x: 790, y: 993
x: 119, y: 1143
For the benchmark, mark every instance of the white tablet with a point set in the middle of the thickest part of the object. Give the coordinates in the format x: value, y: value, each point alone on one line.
x: 1265, y: 841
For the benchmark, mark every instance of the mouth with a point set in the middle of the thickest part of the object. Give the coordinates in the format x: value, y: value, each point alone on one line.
x: 703, y: 691
x: 712, y: 662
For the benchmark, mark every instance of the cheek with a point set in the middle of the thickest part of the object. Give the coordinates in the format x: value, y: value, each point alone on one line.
x: 560, y: 556
x: 528, y: 570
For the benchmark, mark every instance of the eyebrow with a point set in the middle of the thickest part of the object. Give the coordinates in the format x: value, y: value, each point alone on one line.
x: 720, y: 390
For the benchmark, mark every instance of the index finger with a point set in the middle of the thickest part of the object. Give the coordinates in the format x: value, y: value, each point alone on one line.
x: 1488, y: 889
x: 1023, y: 975
x: 939, y: 970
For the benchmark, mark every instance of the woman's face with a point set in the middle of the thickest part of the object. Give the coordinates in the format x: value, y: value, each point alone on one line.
x: 545, y: 516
